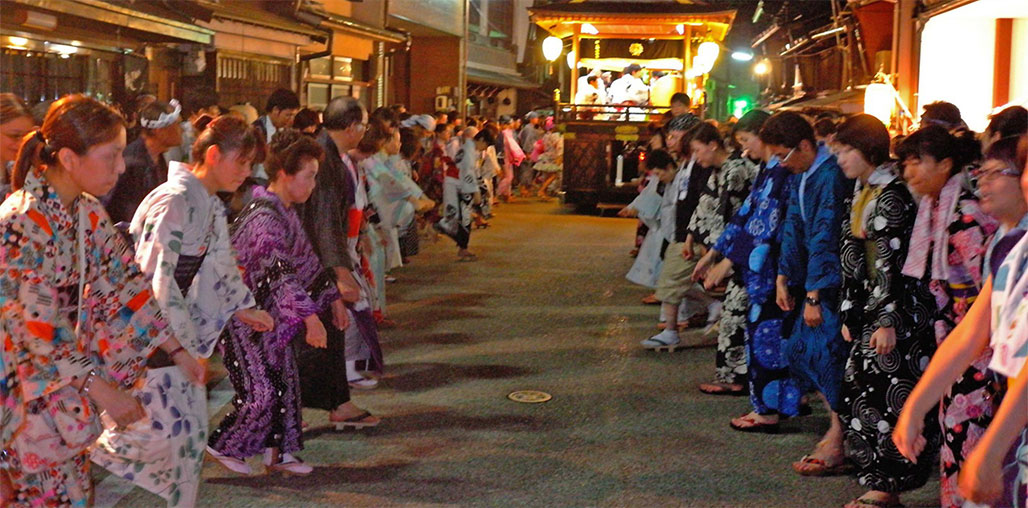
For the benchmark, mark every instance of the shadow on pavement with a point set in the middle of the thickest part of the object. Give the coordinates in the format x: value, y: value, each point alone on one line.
x: 415, y: 377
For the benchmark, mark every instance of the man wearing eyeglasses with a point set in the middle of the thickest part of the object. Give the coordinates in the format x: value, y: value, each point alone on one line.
x: 331, y: 219
x: 809, y: 268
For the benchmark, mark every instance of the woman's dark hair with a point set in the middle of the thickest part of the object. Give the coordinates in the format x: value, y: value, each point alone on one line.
x: 385, y: 115
x: 305, y: 118
x: 705, y: 133
x: 374, y: 137
x: 825, y: 127
x: 288, y: 149
x: 937, y: 142
x: 12, y: 107
x: 341, y: 113
x: 787, y: 129
x: 441, y: 128
x: 229, y: 133
x: 75, y: 122
x: 943, y: 114
x: 1005, y: 149
x: 1022, y: 152
x: 409, y: 144
x: 751, y: 122
x: 659, y: 159
x: 867, y: 135
x: 1012, y: 121
x: 486, y: 136
x: 152, y: 112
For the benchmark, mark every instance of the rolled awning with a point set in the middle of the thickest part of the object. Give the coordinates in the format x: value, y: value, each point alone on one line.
x: 486, y: 77
x: 154, y: 23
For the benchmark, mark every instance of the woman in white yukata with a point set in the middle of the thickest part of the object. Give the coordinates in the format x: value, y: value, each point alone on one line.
x: 182, y: 242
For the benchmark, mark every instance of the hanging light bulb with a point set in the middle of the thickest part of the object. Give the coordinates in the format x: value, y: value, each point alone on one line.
x: 761, y: 68
x: 552, y: 48
x: 572, y: 60
x: 588, y: 28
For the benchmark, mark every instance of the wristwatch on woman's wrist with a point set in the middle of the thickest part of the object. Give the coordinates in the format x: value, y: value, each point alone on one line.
x: 813, y: 301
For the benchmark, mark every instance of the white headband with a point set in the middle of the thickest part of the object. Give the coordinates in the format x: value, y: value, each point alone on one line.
x: 165, y: 119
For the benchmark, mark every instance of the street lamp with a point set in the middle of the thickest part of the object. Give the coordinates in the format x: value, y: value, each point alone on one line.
x: 742, y: 56
x: 552, y: 48
x: 762, y: 68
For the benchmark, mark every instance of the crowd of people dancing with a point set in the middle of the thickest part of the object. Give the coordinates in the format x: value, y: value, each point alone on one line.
x: 885, y: 276
x: 136, y: 246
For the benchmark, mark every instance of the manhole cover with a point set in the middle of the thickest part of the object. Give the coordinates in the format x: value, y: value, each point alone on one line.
x: 529, y: 396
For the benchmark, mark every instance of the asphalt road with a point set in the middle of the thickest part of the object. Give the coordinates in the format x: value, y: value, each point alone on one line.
x: 546, y: 308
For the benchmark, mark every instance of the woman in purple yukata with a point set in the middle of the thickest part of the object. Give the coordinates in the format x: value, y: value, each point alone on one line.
x: 286, y: 279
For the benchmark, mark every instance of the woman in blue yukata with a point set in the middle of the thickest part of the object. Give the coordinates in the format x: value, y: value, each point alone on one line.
x: 750, y: 245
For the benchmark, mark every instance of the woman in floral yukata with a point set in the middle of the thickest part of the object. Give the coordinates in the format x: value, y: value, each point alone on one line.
x: 887, y: 316
x: 286, y: 278
x: 78, y: 319
x: 750, y: 244
x: 721, y: 197
x: 183, y: 243
x: 948, y: 246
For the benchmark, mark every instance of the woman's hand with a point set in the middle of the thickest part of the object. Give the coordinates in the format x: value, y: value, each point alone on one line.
x: 782, y: 296
x: 628, y: 212
x: 884, y: 340
x: 846, y: 334
x: 194, y: 370
x: 347, y: 285
x: 812, y: 315
x: 981, y: 477
x: 123, y: 408
x: 700, y: 271
x: 907, y: 434
x: 340, y: 316
x: 718, y: 274
x: 316, y: 335
x: 257, y: 319
x: 687, y: 248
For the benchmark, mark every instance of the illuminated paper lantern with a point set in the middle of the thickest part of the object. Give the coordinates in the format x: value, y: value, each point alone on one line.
x: 552, y: 48
x: 879, y: 101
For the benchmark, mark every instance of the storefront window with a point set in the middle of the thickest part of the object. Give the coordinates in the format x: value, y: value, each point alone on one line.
x: 335, y: 76
x: 38, y: 76
x: 242, y: 80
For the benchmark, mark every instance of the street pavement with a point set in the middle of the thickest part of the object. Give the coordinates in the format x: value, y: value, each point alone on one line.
x: 546, y: 308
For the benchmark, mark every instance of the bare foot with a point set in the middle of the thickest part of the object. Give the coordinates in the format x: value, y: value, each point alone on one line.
x: 875, y: 499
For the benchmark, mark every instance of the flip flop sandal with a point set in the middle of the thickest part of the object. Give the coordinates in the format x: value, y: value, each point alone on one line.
x: 754, y: 426
x: 876, y: 503
x: 720, y: 389
x: 467, y: 259
x: 821, y: 468
x: 651, y: 300
x: 357, y: 422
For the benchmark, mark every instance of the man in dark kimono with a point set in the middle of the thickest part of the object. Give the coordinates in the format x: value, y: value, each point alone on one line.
x: 327, y: 219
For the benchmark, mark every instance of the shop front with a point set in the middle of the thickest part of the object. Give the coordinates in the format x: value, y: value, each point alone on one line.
x: 255, y: 52
x: 52, y: 48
